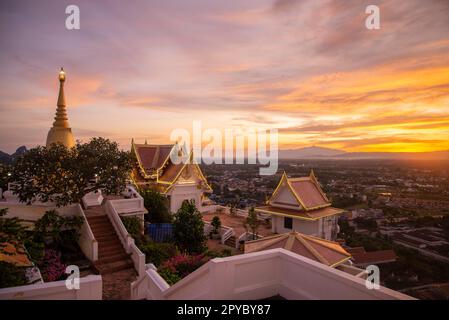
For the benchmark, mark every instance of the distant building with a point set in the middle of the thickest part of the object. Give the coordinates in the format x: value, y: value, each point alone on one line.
x: 362, y: 259
x: 61, y: 132
x: 299, y: 204
x: 178, y: 182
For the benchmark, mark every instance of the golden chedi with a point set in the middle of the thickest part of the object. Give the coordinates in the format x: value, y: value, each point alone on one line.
x: 61, y: 131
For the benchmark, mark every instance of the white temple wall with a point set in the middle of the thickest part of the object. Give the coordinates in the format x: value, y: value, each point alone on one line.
x: 179, y: 193
x: 302, y: 226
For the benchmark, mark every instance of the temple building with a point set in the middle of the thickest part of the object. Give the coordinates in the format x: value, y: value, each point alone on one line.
x: 61, y: 131
x: 155, y: 169
x: 299, y: 204
x: 326, y: 252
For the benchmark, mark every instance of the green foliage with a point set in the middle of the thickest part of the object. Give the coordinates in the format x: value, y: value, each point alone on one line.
x: 170, y: 277
x: 5, y: 178
x: 11, y: 228
x: 366, y: 223
x: 219, y: 254
x: 133, y: 225
x: 61, y: 231
x: 188, y: 228
x: 157, y: 253
x: 251, y: 222
x: 65, y: 175
x: 181, y: 266
x: 354, y: 239
x: 156, y: 204
x: 11, y: 276
x: 216, y: 224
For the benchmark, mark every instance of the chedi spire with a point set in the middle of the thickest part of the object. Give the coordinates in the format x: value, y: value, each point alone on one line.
x: 61, y: 131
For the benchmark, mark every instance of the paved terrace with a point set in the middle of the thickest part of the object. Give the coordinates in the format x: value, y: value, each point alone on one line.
x: 237, y: 223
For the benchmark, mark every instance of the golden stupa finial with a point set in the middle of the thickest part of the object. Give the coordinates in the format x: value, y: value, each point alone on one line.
x: 61, y: 131
x: 62, y: 75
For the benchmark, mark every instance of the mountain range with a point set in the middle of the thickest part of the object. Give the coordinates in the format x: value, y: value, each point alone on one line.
x: 327, y: 153
x: 9, y: 158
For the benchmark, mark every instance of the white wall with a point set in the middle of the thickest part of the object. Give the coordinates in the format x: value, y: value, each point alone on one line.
x: 180, y: 192
x: 34, y: 212
x: 90, y: 289
x: 302, y: 226
x: 264, y: 274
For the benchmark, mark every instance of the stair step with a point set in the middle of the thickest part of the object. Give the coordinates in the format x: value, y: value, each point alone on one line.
x: 114, y: 266
x: 105, y: 237
x: 112, y: 258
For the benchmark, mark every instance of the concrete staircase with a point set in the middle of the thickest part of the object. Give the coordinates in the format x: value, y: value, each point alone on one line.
x: 231, y: 241
x: 112, y: 256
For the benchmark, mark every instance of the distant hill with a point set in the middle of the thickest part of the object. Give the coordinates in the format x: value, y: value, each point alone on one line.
x: 310, y: 152
x: 9, y: 158
x: 327, y: 153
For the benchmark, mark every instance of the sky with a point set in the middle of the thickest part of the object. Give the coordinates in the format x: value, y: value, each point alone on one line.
x: 309, y: 68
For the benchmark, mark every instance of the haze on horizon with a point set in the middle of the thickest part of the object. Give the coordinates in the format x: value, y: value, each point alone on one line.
x: 309, y: 68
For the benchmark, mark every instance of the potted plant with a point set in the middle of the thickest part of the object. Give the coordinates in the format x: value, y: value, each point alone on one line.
x: 216, y: 225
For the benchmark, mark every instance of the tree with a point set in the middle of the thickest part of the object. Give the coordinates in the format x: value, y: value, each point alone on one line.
x: 216, y: 224
x: 65, y: 176
x: 188, y: 228
x: 251, y: 222
x: 156, y: 204
x: 5, y: 176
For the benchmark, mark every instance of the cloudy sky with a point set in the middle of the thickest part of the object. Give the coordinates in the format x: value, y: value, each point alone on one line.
x: 309, y: 68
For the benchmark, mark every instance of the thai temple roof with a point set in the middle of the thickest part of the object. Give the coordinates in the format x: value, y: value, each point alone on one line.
x: 327, y: 252
x: 311, y: 203
x: 155, y: 166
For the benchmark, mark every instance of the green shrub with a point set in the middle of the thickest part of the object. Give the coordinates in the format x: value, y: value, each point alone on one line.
x: 157, y: 253
x: 60, y: 231
x: 219, y: 254
x: 216, y: 224
x: 181, y: 266
x: 170, y: 277
x: 133, y: 225
x: 11, y: 276
x: 157, y: 206
x: 188, y: 229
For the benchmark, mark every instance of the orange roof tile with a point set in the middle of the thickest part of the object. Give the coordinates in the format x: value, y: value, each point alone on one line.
x: 152, y: 157
x: 327, y: 252
x: 309, y: 193
x: 301, y: 214
x: 15, y: 254
x: 372, y: 257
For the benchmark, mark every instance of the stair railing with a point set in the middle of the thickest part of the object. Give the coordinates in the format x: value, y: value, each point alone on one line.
x: 127, y: 240
x: 227, y: 234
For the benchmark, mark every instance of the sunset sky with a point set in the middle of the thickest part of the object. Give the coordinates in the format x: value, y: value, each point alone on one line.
x: 309, y: 68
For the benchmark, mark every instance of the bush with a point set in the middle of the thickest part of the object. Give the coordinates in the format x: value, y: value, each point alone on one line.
x: 216, y: 224
x: 157, y: 253
x: 157, y: 206
x: 11, y: 276
x: 188, y: 229
x: 180, y: 266
x: 60, y: 231
x: 133, y: 225
x: 52, y: 267
x: 169, y: 276
x: 219, y: 254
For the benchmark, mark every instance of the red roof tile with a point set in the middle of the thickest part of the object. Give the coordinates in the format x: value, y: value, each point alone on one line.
x: 309, y: 193
x: 311, y: 214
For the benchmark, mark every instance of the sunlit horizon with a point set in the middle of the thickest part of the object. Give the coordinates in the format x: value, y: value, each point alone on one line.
x: 307, y: 68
